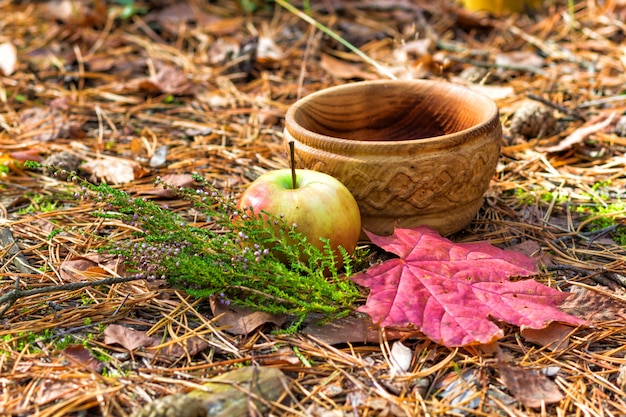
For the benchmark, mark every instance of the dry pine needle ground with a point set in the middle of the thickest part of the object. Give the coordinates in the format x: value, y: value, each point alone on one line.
x: 109, y: 87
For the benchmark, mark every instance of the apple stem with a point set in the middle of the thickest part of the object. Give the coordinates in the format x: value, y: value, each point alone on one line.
x: 292, y: 163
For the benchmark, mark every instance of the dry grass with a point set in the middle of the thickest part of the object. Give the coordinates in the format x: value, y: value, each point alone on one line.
x: 117, y: 90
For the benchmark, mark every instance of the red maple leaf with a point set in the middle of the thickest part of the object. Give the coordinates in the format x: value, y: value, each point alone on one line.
x: 450, y: 291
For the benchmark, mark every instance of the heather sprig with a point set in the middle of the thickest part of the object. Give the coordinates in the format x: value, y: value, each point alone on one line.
x: 253, y: 261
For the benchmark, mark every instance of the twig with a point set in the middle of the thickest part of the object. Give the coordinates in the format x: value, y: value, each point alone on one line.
x: 601, y: 101
x: 558, y: 107
x: 16, y: 294
x: 9, y: 184
x: 598, y: 275
x: 526, y: 68
x: 119, y: 307
x: 590, y: 236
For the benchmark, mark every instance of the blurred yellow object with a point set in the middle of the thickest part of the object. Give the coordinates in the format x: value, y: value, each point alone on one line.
x: 500, y: 6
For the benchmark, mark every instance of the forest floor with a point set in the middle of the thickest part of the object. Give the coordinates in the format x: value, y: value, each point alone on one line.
x: 126, y: 93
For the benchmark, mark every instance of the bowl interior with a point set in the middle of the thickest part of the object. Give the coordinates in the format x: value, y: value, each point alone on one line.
x: 393, y: 110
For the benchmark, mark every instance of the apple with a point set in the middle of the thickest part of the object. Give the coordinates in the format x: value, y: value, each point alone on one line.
x: 319, y: 205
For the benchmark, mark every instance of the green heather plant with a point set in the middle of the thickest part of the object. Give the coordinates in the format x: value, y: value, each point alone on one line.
x: 251, y: 261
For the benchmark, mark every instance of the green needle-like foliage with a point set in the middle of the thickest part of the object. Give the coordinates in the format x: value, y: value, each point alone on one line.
x: 252, y: 261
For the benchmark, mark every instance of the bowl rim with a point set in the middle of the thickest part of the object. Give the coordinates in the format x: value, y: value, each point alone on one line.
x: 298, y: 131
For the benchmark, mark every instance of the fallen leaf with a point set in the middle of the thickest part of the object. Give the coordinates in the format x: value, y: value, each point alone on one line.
x: 532, y: 249
x: 127, y: 338
x: 8, y: 58
x: 223, y: 26
x: 113, y: 170
x: 174, y: 180
x: 452, y: 291
x: 9, y: 161
x: 172, y: 18
x: 385, y: 407
x: 45, y: 125
x: 353, y: 329
x: 242, y: 320
x: 602, y: 122
x: 51, y: 390
x: 594, y: 305
x: 26, y: 155
x: 77, y: 269
x: 168, y: 350
x: 341, y: 69
x: 169, y: 80
x: 81, y: 356
x: 553, y: 337
x: 530, y: 387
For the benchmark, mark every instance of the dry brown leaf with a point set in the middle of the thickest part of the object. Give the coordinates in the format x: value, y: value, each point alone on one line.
x: 168, y: 80
x: 594, y: 305
x: 175, y: 180
x: 127, y: 338
x: 46, y: 124
x: 553, y: 337
x: 530, y: 387
x: 77, y: 269
x: 113, y: 170
x: 189, y: 346
x: 603, y: 122
x: 8, y: 58
x: 532, y: 249
x: 81, y: 356
x: 26, y: 155
x: 52, y: 390
x: 241, y: 320
x: 353, y: 329
x: 341, y: 69
x: 218, y: 26
x: 178, y: 15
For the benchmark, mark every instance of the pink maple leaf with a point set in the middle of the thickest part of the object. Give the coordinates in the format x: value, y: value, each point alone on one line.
x: 452, y: 291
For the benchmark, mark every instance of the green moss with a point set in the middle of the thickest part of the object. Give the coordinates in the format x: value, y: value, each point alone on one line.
x: 524, y: 197
x: 549, y: 197
x: 603, y: 215
x: 39, y: 204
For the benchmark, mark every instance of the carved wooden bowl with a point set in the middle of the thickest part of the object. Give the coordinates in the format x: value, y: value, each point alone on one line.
x: 411, y: 152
